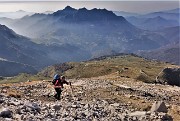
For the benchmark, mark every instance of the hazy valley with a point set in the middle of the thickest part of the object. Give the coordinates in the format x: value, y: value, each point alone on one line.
x: 80, y: 34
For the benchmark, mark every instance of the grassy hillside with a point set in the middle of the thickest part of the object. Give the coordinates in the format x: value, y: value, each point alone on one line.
x: 128, y: 66
x: 122, y: 65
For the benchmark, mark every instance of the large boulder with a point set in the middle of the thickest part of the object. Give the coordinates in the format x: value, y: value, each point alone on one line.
x: 6, y: 113
x: 169, y: 76
x: 159, y: 106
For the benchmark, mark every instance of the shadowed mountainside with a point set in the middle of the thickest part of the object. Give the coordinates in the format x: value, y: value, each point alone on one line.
x: 13, y: 68
x: 20, y: 50
x: 169, y: 53
x: 156, y: 20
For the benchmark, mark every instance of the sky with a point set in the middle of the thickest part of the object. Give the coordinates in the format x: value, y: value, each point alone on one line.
x: 128, y: 6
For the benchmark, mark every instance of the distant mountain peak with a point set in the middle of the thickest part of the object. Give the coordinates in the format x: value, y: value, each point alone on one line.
x: 159, y: 17
x: 70, y: 14
x: 2, y: 26
x: 21, y: 11
x: 83, y: 9
x: 37, y: 15
x: 5, y: 29
x: 69, y: 8
x: 176, y: 10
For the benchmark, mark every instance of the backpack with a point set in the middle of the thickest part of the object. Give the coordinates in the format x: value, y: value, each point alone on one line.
x: 56, y: 77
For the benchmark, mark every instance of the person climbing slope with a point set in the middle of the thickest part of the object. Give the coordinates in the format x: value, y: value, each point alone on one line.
x: 58, y: 85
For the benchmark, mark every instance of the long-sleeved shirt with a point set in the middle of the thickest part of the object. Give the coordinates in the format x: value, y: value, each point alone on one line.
x: 59, y: 83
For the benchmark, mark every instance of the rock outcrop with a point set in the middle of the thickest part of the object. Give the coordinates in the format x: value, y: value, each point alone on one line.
x: 169, y: 76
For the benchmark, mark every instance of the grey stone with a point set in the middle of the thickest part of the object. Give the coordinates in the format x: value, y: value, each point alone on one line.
x: 57, y: 107
x: 159, y: 106
x: 6, y: 113
x: 86, y: 106
x: 137, y: 115
x: 74, y: 106
x: 1, y: 100
x: 116, y: 104
x: 15, y: 103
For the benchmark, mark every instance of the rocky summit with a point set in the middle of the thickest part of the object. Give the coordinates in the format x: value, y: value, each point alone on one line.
x: 90, y: 99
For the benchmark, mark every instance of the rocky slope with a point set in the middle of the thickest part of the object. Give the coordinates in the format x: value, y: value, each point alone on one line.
x: 101, y: 98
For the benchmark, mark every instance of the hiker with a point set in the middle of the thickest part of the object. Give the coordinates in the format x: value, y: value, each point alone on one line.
x: 58, y: 85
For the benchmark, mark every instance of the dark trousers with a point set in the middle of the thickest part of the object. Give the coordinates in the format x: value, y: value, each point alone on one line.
x: 58, y: 93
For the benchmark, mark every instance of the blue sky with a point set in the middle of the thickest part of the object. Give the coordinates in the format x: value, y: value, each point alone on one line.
x: 129, y: 6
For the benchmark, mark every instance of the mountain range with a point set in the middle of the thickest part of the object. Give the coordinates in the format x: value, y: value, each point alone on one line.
x: 15, y: 15
x: 167, y: 14
x: 80, y: 34
x: 170, y: 53
x: 125, y: 14
x: 19, y: 14
x: 94, y: 30
x: 159, y: 20
x: 17, y: 50
x: 20, y: 49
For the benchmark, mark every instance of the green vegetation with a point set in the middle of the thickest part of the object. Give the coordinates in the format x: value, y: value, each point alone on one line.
x: 127, y: 66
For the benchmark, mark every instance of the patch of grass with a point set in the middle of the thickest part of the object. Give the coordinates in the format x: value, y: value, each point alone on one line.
x: 145, y: 78
x: 13, y: 93
x: 174, y: 111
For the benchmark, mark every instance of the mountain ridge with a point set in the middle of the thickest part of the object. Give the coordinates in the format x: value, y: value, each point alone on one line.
x: 18, y: 49
x: 83, y: 14
x: 11, y: 68
x: 170, y: 53
x: 77, y: 30
x: 85, y: 28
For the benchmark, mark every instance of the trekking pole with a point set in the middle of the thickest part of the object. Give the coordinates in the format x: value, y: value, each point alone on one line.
x: 71, y: 90
x: 71, y: 86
